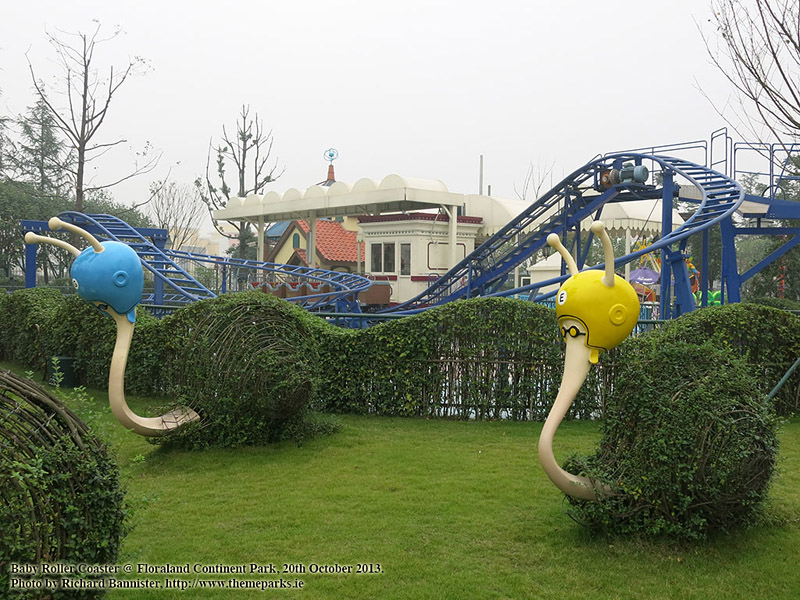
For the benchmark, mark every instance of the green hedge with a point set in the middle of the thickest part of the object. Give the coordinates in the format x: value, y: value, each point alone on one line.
x: 782, y: 303
x: 688, y: 447
x: 768, y: 339
x: 481, y: 358
x: 26, y: 319
x: 247, y: 363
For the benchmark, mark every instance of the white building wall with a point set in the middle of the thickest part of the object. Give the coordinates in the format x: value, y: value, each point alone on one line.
x: 429, y: 250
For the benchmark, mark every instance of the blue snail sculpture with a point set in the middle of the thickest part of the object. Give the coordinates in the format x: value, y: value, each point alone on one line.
x: 110, y: 276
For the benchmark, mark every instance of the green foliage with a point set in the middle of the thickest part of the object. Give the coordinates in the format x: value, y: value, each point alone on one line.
x: 767, y: 339
x: 782, y: 303
x: 60, y: 494
x: 688, y: 446
x: 247, y: 363
x: 481, y: 358
x: 26, y: 318
x: 22, y: 201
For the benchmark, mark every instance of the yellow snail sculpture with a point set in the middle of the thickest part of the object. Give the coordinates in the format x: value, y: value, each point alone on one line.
x: 109, y: 275
x: 596, y: 310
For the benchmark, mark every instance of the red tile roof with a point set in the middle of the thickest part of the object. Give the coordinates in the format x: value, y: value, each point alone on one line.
x: 302, y: 254
x: 334, y: 242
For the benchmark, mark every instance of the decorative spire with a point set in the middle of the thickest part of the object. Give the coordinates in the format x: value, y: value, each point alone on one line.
x: 331, y: 154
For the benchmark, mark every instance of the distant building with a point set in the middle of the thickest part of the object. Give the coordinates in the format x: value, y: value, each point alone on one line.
x: 397, y: 230
x: 412, y: 250
x: 337, y: 248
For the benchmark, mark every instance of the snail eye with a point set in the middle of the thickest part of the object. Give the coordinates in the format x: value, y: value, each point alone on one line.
x: 571, y: 331
x: 75, y: 283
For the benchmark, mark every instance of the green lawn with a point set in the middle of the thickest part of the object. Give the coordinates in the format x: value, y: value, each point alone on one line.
x: 448, y: 510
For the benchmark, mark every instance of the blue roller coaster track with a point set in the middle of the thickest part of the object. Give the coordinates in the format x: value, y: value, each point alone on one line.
x: 583, y: 194
x: 174, y: 286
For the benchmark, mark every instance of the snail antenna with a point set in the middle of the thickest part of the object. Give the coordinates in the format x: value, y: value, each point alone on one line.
x: 56, y: 223
x: 608, y: 251
x: 555, y: 242
x: 32, y: 238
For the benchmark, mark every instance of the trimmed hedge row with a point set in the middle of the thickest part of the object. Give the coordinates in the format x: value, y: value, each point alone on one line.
x: 486, y: 358
x: 481, y: 358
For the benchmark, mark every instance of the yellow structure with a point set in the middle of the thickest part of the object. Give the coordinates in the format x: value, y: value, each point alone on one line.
x: 602, y: 308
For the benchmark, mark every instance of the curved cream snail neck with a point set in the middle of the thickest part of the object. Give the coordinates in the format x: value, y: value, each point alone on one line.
x: 596, y: 310
x: 109, y: 275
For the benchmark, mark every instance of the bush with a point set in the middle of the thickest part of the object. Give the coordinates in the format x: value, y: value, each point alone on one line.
x: 767, y: 339
x: 782, y: 303
x: 26, y: 318
x: 247, y: 363
x: 688, y: 445
x: 79, y: 329
x: 60, y: 496
x: 479, y: 358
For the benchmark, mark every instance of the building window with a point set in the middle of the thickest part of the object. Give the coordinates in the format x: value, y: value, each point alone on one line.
x: 296, y: 240
x: 405, y: 259
x: 376, y: 264
x: 382, y: 258
x: 388, y: 258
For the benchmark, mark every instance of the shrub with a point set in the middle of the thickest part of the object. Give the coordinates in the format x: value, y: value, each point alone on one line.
x: 247, y: 363
x: 60, y: 496
x: 26, y: 317
x: 782, y: 303
x: 688, y: 443
x: 479, y: 358
x: 768, y: 339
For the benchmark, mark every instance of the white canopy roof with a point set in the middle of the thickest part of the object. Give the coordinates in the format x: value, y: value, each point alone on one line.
x: 393, y: 193
x: 635, y: 216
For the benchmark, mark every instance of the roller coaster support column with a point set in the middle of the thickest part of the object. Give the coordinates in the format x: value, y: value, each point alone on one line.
x: 704, y: 274
x: 673, y: 262
x: 666, y: 226
x: 730, y: 273
x: 30, y: 265
x: 159, y: 242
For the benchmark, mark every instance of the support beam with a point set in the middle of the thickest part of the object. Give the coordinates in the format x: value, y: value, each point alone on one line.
x: 730, y: 274
x: 260, y: 252
x: 668, y: 191
x: 452, y: 213
x: 30, y: 265
x: 704, y: 275
x: 311, y: 250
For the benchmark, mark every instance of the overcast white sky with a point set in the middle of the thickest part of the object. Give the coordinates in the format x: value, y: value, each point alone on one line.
x: 418, y: 87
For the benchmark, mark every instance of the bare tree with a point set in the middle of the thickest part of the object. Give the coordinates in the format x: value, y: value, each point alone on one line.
x: 249, y: 152
x: 88, y: 98
x: 757, y: 49
x: 178, y: 209
x: 535, y: 180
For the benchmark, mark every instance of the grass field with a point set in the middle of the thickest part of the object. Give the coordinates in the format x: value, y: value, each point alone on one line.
x: 447, y: 509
